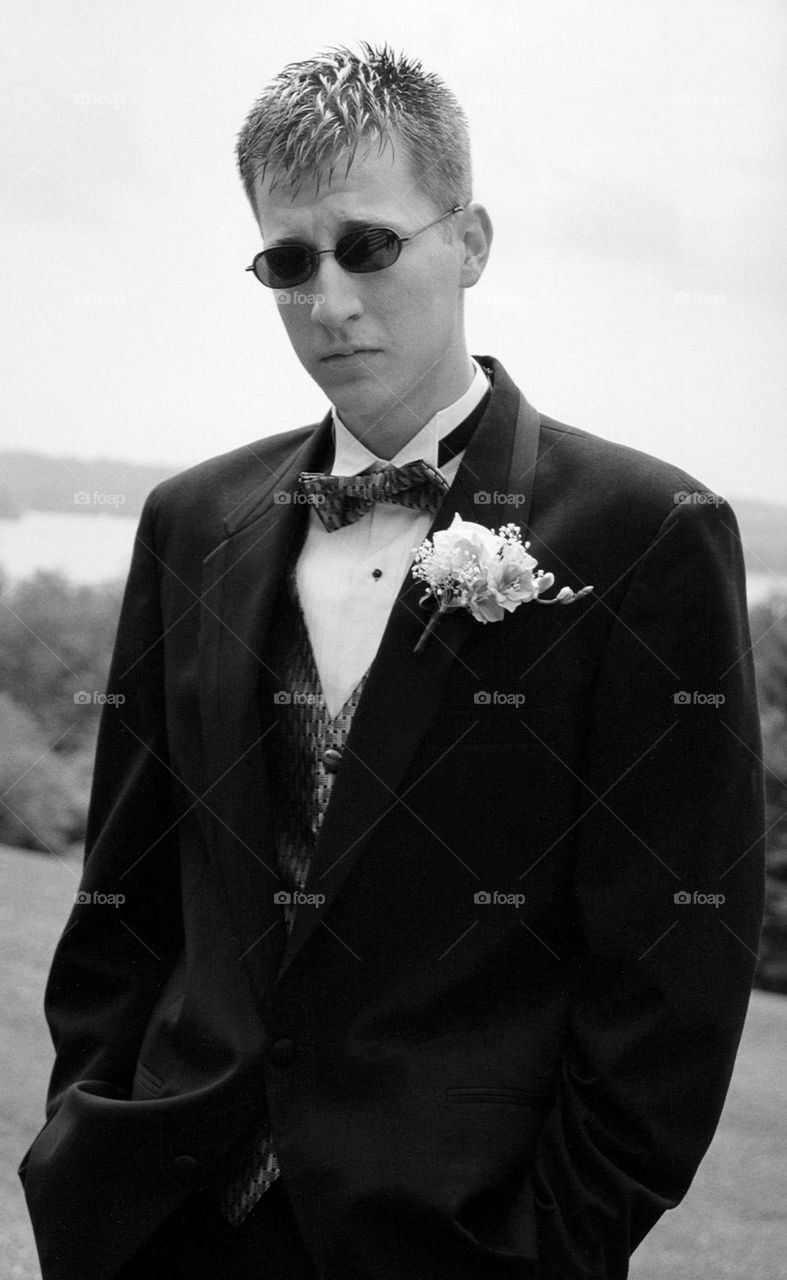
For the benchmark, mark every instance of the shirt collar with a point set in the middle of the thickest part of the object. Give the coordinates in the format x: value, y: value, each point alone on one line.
x: 352, y: 456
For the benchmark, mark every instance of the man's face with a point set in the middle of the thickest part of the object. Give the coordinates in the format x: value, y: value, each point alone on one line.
x: 383, y: 345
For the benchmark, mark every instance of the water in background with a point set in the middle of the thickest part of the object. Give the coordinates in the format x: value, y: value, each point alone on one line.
x: 87, y: 546
x: 92, y: 547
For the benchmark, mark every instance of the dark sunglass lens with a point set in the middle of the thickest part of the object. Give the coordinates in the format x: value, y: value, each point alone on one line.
x: 284, y: 266
x: 370, y: 250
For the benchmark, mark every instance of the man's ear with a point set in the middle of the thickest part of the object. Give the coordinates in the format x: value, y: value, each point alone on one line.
x: 476, y: 232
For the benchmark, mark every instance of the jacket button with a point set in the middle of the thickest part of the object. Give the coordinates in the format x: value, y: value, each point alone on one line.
x: 185, y: 1168
x: 332, y: 759
x: 283, y: 1052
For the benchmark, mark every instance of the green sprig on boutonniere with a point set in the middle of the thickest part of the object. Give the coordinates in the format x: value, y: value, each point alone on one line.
x: 490, y: 574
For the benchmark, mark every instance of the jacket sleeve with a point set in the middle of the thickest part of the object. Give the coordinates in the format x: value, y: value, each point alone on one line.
x: 668, y: 895
x: 125, y: 928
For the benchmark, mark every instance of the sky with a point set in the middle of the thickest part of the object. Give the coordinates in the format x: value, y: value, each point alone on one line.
x: 632, y: 158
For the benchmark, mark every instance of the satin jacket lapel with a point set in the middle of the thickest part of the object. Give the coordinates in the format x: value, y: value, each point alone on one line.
x: 241, y: 578
x: 403, y: 690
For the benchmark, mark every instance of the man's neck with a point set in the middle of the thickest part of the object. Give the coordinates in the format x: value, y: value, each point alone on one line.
x: 392, y: 430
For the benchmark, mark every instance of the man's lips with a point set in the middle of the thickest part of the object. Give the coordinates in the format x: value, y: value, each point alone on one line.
x: 347, y: 354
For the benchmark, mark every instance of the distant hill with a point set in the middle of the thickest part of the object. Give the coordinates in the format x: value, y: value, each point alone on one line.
x: 45, y: 482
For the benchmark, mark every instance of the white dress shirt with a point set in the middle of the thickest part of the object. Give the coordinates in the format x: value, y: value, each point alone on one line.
x: 348, y: 580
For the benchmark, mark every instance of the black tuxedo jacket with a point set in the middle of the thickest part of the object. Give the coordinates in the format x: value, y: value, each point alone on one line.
x: 461, y: 1084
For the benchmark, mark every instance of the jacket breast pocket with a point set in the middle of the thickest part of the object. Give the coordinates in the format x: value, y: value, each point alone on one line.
x: 146, y: 1083
x: 496, y: 1096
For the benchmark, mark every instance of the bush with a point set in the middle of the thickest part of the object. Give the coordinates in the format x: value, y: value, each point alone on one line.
x: 43, y: 793
x: 769, y: 636
x: 55, y: 642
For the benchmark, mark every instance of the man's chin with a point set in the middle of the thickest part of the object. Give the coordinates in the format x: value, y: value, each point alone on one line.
x: 361, y: 413
x: 356, y: 391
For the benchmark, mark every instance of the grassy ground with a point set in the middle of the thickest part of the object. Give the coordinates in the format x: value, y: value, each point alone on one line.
x: 731, y: 1226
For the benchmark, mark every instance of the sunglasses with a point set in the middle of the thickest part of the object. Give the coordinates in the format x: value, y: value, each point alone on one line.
x: 370, y: 249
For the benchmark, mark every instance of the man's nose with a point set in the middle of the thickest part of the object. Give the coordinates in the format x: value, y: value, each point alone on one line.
x: 336, y: 298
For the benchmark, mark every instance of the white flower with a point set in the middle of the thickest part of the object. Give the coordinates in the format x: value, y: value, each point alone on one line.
x: 468, y: 566
x: 511, y: 578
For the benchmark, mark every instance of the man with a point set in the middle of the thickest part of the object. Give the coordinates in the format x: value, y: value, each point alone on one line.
x: 433, y: 955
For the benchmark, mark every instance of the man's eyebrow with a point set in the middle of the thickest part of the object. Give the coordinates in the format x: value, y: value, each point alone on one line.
x: 345, y: 227
x: 358, y: 224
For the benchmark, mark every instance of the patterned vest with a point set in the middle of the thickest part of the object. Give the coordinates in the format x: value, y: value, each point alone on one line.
x: 304, y: 763
x: 309, y: 750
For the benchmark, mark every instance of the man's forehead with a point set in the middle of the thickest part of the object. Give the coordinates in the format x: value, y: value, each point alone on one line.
x: 372, y: 185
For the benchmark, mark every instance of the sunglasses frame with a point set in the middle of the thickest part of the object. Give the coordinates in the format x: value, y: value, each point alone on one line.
x: 316, y: 254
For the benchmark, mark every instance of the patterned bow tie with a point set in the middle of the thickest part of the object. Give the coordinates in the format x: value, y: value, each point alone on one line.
x: 341, y: 500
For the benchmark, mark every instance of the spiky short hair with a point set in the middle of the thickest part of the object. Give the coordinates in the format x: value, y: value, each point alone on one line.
x: 317, y: 110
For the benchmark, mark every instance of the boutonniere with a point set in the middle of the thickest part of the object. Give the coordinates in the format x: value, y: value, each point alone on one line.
x: 490, y: 574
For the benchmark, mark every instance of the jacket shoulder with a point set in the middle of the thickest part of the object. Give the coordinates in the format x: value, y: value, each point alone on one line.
x: 614, y: 477
x: 187, y: 510
x: 611, y: 479
x: 229, y: 476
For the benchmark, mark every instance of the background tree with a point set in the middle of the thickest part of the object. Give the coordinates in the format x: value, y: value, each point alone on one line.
x: 769, y: 636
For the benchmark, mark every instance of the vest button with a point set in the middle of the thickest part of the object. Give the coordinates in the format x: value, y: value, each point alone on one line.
x: 283, y: 1052
x: 332, y: 759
